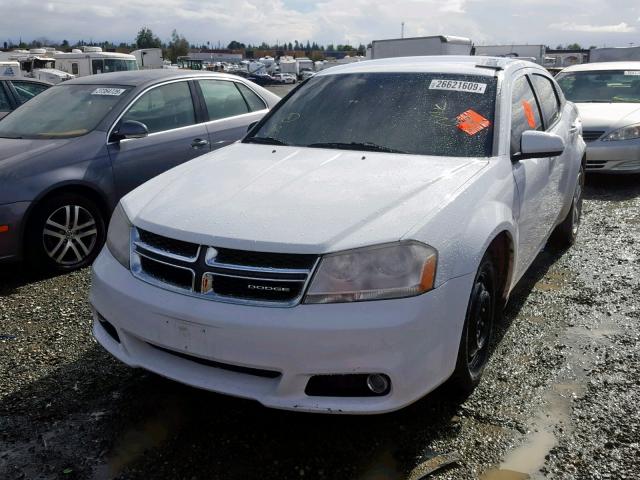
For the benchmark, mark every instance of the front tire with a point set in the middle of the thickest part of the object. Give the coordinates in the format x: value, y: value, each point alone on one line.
x: 477, y: 334
x: 65, y: 233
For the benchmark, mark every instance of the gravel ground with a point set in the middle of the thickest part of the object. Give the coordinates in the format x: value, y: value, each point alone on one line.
x: 558, y: 400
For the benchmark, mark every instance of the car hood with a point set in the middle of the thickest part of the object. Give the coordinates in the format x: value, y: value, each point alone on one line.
x: 607, y: 116
x: 310, y: 200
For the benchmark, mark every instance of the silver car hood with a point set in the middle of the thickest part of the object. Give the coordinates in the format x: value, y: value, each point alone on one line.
x: 608, y: 116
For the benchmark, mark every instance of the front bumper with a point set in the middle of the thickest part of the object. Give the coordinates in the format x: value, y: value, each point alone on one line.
x: 414, y: 341
x: 614, y: 157
x: 12, y: 215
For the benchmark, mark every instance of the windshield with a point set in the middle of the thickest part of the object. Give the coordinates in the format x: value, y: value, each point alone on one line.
x: 62, y: 111
x: 417, y: 113
x: 614, y: 86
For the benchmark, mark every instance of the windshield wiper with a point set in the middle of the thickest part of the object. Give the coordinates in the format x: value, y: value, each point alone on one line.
x: 366, y: 146
x: 265, y: 141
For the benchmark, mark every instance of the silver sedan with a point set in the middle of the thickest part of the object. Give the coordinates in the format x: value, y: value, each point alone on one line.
x: 608, y: 97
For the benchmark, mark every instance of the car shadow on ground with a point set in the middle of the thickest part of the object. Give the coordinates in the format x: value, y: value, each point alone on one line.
x: 18, y: 274
x: 601, y: 187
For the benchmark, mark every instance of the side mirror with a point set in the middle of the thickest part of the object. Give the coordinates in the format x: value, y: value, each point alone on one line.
x: 534, y: 144
x: 131, y: 129
x: 251, y: 125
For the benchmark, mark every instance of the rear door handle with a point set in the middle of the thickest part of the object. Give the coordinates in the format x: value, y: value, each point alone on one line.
x: 199, y: 143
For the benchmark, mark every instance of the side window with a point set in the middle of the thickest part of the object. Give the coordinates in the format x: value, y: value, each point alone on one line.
x: 96, y: 66
x: 164, y: 108
x: 74, y: 68
x: 548, y: 98
x: 5, y: 106
x: 525, y: 113
x: 27, y: 90
x: 223, y: 99
x: 254, y: 101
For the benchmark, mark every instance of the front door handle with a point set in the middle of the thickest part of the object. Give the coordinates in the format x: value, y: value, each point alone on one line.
x: 199, y: 143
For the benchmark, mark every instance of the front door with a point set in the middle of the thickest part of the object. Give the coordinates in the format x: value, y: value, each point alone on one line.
x: 531, y: 177
x: 174, y: 136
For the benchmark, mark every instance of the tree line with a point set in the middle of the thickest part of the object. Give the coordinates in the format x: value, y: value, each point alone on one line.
x: 179, y: 46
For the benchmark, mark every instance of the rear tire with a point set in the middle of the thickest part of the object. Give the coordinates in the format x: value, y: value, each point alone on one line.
x: 65, y: 232
x: 477, y: 334
x: 566, y: 233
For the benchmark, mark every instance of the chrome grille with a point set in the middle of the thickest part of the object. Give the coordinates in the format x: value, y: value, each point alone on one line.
x: 592, y: 135
x: 228, y: 275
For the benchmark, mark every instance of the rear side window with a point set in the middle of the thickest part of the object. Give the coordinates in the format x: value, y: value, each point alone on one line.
x: 5, y: 106
x: 74, y: 68
x: 27, y: 90
x: 548, y: 98
x: 223, y: 99
x: 525, y: 113
x: 254, y: 101
x: 164, y: 108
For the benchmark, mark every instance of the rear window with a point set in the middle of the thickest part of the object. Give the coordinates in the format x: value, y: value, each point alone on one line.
x: 416, y: 113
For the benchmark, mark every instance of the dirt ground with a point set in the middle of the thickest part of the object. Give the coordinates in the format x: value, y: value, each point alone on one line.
x: 559, y: 398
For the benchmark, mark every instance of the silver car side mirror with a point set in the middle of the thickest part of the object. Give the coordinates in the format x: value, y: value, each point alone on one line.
x: 535, y: 144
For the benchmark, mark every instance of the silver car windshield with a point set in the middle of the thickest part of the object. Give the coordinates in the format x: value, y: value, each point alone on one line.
x: 63, y: 111
x: 417, y: 113
x: 614, y: 86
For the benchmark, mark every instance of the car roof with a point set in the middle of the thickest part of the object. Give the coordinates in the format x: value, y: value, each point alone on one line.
x: 461, y: 64
x: 599, y: 66
x: 137, y: 78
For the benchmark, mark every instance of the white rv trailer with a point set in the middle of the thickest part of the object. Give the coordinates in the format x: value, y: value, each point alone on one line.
x: 35, y: 64
x: 419, y: 46
x: 149, y: 58
x: 93, y: 61
x: 534, y: 53
x: 288, y: 65
x: 10, y: 68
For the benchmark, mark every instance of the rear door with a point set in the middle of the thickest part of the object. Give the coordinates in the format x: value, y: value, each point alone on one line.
x: 531, y: 176
x: 175, y: 136
x: 230, y: 107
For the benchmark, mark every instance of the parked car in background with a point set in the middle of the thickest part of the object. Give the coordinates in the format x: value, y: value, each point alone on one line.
x: 14, y: 91
x: 284, y: 78
x: 68, y: 155
x: 608, y: 97
x: 353, y: 252
x: 306, y: 74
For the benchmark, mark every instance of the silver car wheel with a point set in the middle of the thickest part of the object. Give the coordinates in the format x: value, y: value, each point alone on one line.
x: 69, y: 235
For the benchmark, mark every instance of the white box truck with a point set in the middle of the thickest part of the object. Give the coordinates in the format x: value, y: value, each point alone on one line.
x: 534, y: 53
x: 149, y: 58
x: 419, y: 46
x: 614, y: 54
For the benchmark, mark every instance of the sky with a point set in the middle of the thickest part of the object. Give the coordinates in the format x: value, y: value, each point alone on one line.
x: 549, y: 22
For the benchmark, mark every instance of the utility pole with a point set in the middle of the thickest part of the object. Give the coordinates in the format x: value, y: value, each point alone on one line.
x: 402, y: 30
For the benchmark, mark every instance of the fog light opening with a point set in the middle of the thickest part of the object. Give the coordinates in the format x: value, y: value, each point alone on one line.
x: 378, y: 383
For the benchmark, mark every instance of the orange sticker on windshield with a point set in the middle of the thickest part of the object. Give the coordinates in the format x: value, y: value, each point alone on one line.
x: 471, y: 122
x: 528, y: 112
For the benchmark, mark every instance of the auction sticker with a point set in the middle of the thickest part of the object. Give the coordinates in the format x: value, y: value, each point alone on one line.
x: 114, y: 92
x: 471, y: 122
x: 632, y: 72
x: 457, y: 86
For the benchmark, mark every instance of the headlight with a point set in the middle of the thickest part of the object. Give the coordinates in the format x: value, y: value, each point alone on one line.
x: 119, y: 236
x: 374, y: 273
x: 625, y: 133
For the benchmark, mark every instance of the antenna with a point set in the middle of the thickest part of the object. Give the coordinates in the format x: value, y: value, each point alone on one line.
x: 402, y: 30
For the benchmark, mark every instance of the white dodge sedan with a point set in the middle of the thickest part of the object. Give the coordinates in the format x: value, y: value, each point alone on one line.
x: 355, y: 250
